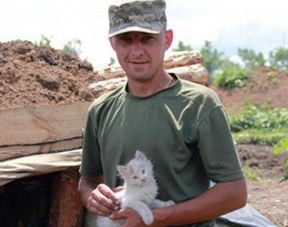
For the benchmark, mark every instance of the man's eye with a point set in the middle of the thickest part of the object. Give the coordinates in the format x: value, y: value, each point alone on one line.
x: 135, y: 177
x: 147, y: 39
x: 125, y: 39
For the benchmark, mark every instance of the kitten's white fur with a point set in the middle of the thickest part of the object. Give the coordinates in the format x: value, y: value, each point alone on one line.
x: 140, y: 190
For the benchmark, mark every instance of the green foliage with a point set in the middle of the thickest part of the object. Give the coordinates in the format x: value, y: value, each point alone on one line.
x: 73, y: 47
x: 279, y: 58
x: 251, y: 173
x: 112, y: 61
x: 266, y: 137
x: 232, y: 75
x: 261, y: 125
x: 282, y: 145
x: 260, y: 117
x: 44, y: 42
x: 250, y: 58
x: 182, y: 47
x: 212, y: 58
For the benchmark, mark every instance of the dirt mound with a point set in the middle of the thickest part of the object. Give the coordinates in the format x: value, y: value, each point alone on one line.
x: 262, y: 158
x: 268, y: 194
x: 265, y: 86
x: 42, y: 75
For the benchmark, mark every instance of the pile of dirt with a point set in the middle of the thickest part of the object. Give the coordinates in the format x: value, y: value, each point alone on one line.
x: 265, y: 85
x: 267, y: 193
x: 31, y: 74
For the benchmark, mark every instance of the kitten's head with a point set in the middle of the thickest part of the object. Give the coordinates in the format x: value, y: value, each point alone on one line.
x: 138, y: 171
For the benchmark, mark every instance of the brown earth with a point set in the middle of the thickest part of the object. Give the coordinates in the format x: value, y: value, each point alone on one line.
x: 269, y: 193
x: 31, y: 75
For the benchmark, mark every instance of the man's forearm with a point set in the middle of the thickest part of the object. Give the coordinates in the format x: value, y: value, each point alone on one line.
x: 220, y: 199
x: 87, y: 185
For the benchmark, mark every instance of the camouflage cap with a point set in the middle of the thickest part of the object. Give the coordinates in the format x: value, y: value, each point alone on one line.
x: 140, y: 16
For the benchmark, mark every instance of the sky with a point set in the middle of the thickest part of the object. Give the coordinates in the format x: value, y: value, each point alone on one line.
x: 228, y: 24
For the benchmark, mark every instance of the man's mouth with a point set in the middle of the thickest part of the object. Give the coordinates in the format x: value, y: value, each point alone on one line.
x: 138, y: 62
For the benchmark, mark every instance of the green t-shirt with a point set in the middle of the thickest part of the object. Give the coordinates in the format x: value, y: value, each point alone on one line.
x: 182, y: 129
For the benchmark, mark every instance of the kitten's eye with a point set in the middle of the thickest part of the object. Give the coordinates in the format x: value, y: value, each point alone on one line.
x: 135, y: 177
x: 143, y: 171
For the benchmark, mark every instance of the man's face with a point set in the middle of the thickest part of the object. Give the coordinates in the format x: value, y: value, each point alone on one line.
x: 141, y: 54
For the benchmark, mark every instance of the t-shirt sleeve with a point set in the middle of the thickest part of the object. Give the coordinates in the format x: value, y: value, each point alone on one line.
x: 216, y: 147
x: 91, y: 162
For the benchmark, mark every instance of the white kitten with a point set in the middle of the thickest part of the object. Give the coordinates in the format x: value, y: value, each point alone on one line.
x: 140, y: 190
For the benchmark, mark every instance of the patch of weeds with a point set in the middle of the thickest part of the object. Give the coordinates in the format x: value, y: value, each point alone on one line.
x: 251, y: 173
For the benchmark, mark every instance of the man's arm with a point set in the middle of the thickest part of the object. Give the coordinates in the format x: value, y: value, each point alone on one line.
x: 97, y: 197
x: 220, y: 199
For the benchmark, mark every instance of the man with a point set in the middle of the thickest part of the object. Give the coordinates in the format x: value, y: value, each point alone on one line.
x: 179, y: 125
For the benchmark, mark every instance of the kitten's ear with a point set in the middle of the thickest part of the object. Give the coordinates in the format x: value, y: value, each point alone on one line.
x: 140, y: 156
x: 122, y: 170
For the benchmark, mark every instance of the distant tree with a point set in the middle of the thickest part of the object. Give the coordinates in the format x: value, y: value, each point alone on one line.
x: 251, y: 58
x: 212, y: 58
x: 73, y: 47
x: 44, y: 42
x: 278, y: 58
x: 112, y: 61
x: 182, y: 47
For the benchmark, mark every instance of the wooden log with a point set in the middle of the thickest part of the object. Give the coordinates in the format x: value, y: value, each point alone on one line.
x: 41, y: 129
x: 182, y: 58
x: 195, y: 73
x: 66, y: 209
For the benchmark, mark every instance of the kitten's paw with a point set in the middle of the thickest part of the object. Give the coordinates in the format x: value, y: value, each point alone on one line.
x: 170, y: 203
x: 148, y: 218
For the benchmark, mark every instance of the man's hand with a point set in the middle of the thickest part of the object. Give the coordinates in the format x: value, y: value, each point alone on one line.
x: 132, y: 218
x: 103, y: 201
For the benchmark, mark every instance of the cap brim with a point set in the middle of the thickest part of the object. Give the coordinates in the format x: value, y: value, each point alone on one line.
x: 133, y: 29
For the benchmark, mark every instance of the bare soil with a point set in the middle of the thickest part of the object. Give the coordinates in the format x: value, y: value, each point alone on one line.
x: 268, y: 194
x: 31, y: 75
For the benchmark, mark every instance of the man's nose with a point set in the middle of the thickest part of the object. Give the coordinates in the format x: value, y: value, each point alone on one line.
x: 137, y: 48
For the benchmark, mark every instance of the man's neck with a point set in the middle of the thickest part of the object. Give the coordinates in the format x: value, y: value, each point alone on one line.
x: 149, y: 87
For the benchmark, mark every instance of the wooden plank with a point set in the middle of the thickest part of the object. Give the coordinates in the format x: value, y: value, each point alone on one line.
x: 12, y: 152
x: 33, y: 125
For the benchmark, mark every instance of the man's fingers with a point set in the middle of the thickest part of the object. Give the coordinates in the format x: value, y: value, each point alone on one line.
x: 106, y: 191
x: 123, y: 213
x: 98, y: 210
x: 99, y: 201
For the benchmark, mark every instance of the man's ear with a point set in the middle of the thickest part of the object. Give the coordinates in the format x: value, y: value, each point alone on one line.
x: 112, y: 42
x: 169, y: 38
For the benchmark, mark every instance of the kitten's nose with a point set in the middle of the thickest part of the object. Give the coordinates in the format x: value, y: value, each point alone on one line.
x: 143, y: 179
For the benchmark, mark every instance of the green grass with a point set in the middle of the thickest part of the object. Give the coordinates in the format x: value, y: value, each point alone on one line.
x: 261, y: 136
x: 251, y: 173
x: 261, y: 125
